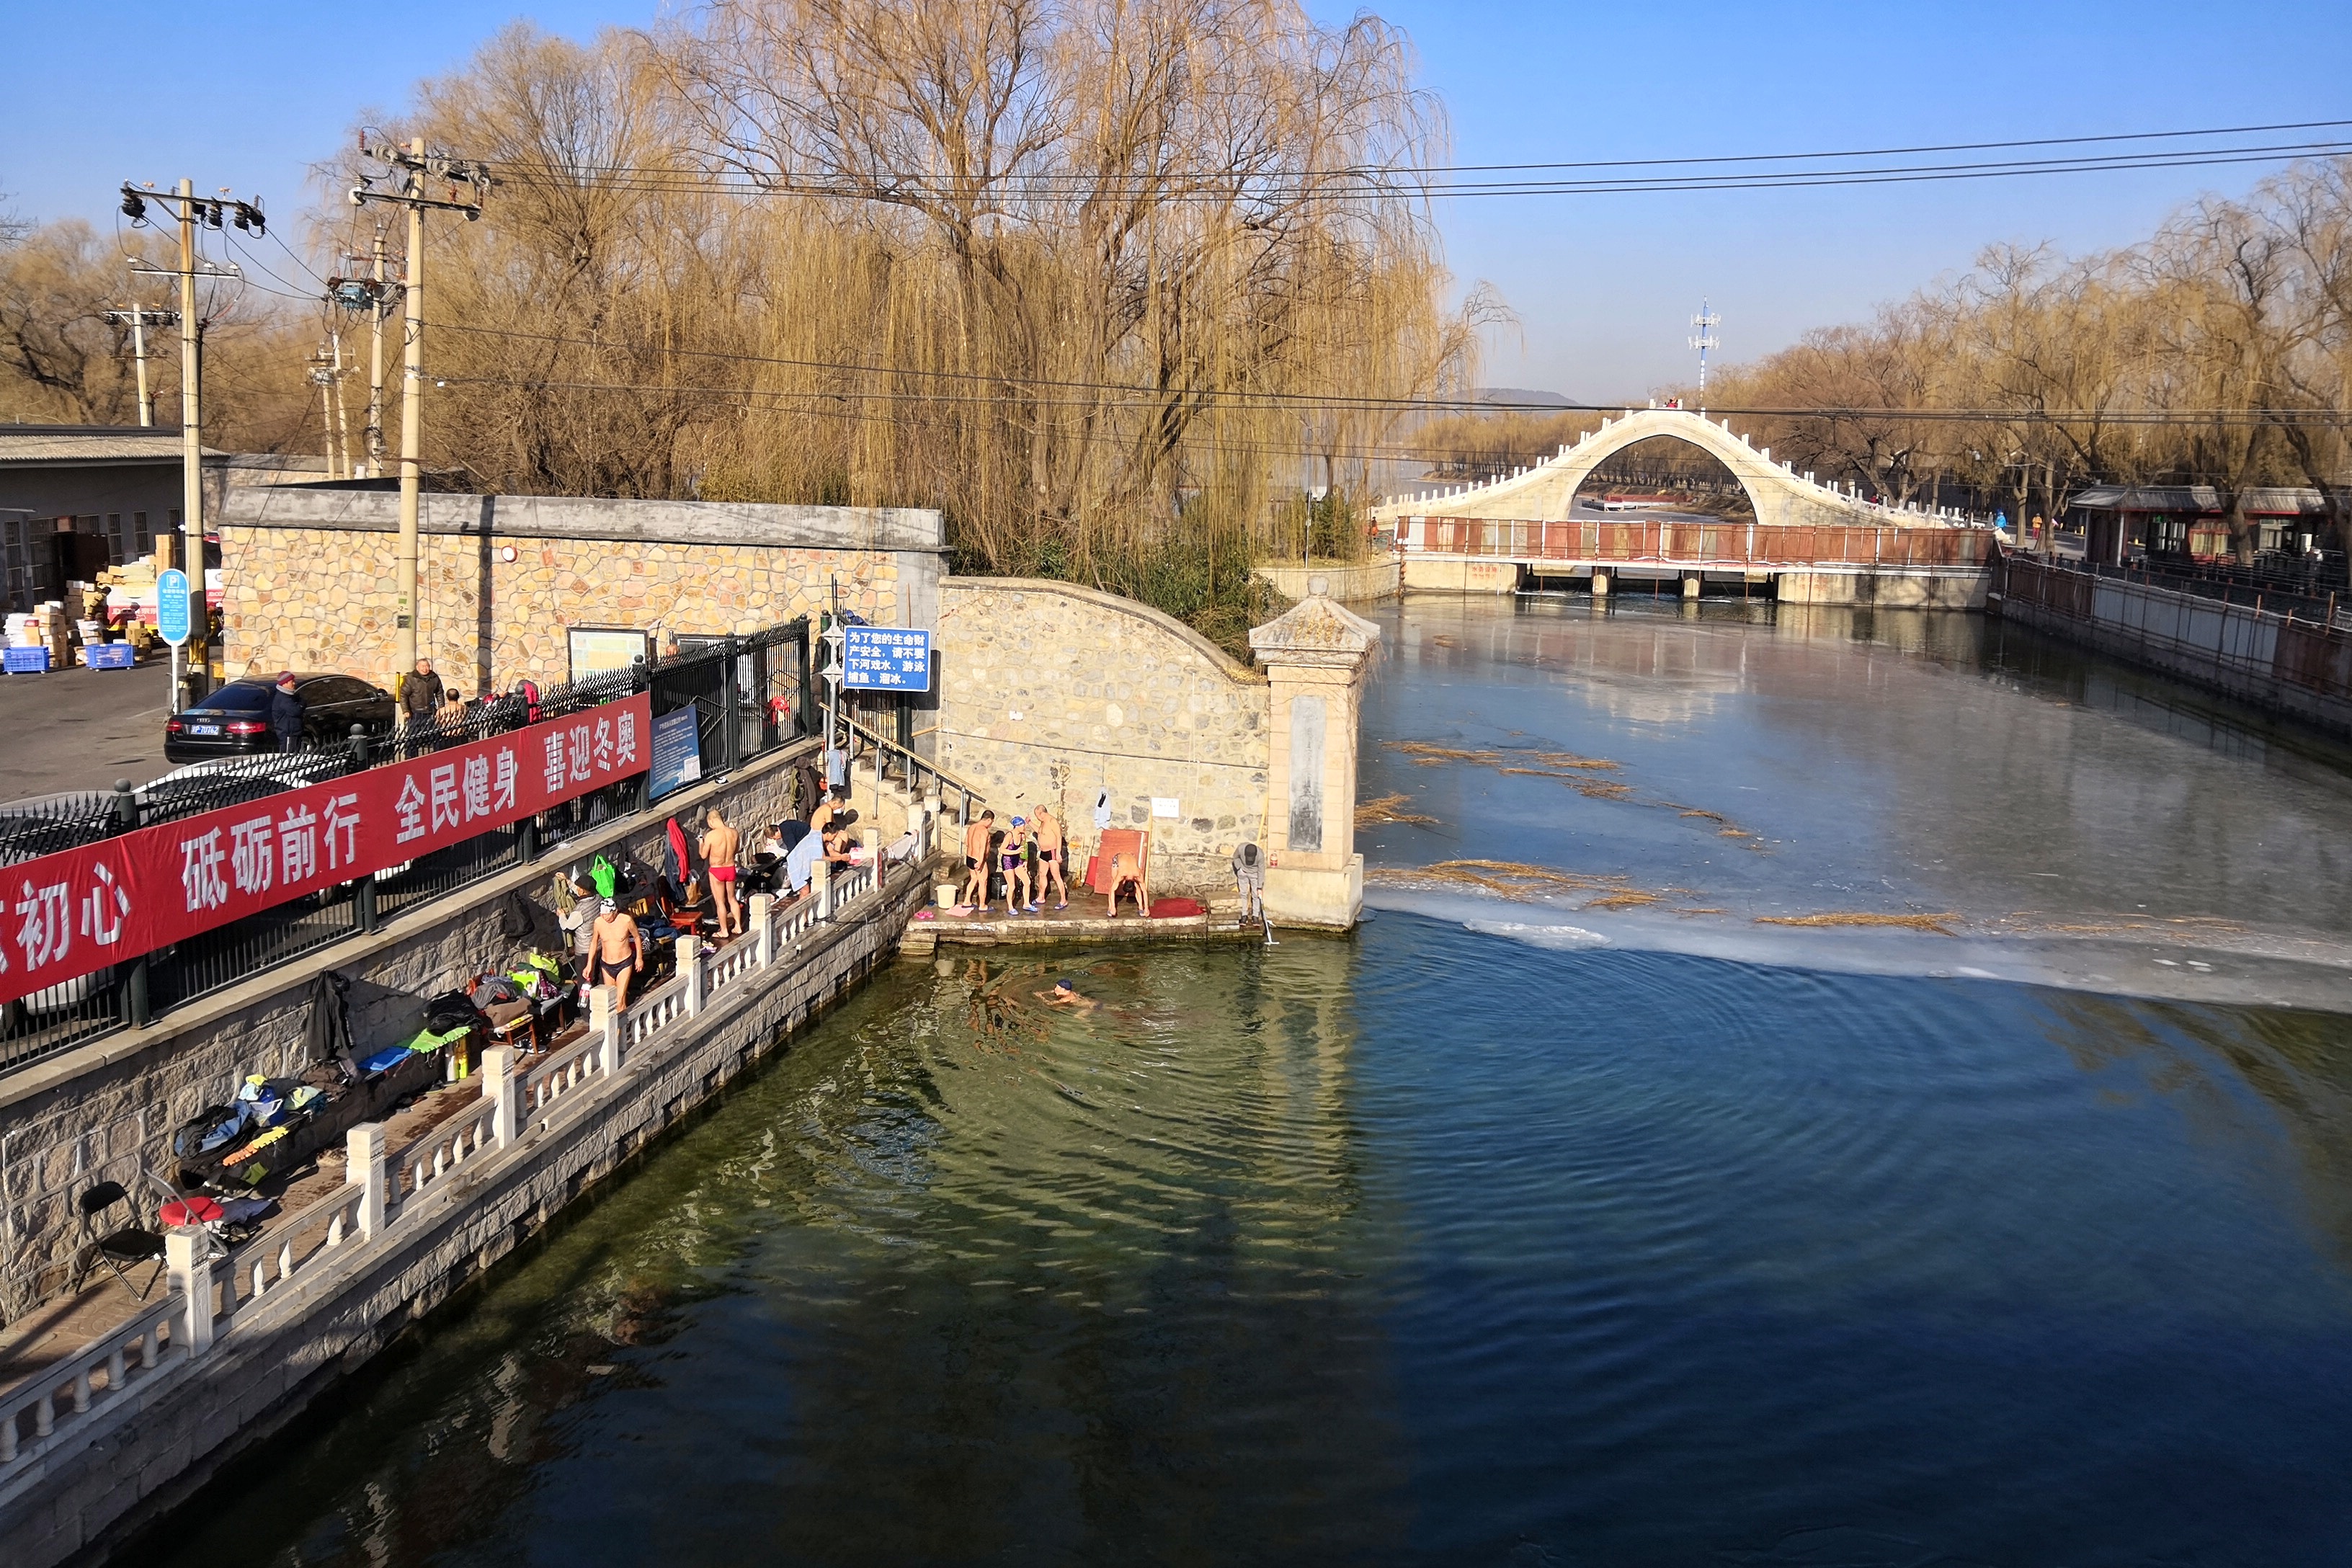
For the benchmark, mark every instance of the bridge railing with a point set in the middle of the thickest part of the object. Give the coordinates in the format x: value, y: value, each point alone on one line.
x: 1659, y: 541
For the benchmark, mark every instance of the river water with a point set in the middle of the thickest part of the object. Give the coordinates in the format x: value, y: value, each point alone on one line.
x: 1570, y: 1213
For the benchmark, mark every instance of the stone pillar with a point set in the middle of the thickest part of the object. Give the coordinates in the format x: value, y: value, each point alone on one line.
x: 1315, y: 656
x: 364, y: 1168
x: 690, y: 968
x: 187, y: 1258
x: 1690, y: 585
x: 764, y: 927
x: 499, y: 1087
x: 1600, y: 583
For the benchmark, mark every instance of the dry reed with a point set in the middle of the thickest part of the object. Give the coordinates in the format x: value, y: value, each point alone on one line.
x: 1390, y: 808
x: 1937, y: 923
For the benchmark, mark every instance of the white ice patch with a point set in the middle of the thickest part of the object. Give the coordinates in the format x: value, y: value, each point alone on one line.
x: 1536, y: 935
x: 2256, y: 969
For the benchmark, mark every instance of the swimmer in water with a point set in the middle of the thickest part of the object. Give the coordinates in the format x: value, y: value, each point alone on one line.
x: 1064, y: 994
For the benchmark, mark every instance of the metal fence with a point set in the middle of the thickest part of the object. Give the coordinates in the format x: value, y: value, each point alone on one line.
x: 751, y: 694
x: 1726, y: 544
x: 2249, y: 638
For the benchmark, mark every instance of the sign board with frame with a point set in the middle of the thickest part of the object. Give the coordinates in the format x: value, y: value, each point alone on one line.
x: 599, y: 651
x: 885, y: 659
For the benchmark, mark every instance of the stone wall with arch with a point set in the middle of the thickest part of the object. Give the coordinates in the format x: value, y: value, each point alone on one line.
x: 1052, y: 692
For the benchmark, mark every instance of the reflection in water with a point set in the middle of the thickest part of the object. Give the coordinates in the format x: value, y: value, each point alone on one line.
x: 1452, y: 1241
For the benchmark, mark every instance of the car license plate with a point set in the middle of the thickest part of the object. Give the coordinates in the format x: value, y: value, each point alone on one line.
x: 203, y: 729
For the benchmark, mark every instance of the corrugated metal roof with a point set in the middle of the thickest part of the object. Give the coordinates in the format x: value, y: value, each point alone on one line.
x: 89, y: 443
x: 2270, y: 501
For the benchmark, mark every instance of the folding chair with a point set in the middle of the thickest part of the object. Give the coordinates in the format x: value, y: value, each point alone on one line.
x: 119, y: 1249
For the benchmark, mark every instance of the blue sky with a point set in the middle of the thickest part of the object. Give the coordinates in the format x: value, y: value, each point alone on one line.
x: 248, y: 94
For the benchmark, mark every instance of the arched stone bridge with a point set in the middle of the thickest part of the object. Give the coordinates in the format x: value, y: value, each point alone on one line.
x: 1780, y: 495
x: 1809, y: 543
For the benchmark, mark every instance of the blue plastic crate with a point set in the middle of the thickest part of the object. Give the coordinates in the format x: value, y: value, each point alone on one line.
x: 28, y: 660
x: 111, y: 655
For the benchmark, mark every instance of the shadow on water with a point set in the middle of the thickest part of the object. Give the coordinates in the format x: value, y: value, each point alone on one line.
x: 962, y: 1275
x: 1437, y: 1245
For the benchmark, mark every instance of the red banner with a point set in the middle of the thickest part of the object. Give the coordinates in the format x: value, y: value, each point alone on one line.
x: 70, y: 914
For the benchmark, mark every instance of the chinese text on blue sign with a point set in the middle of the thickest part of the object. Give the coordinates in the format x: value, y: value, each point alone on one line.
x: 885, y: 659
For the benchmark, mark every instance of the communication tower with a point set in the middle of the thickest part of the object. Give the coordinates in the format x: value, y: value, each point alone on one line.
x: 1703, y: 339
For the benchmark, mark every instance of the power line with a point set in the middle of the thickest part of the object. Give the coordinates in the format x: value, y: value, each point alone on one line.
x: 1246, y: 187
x: 1155, y: 397
x: 1615, y: 163
x: 2151, y: 417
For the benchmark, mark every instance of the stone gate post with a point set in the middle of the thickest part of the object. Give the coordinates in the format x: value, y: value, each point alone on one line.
x: 1315, y: 655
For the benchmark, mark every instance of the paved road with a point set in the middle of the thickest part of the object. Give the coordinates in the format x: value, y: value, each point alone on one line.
x: 81, y: 729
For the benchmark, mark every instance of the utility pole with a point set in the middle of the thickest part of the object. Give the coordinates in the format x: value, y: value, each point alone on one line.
x: 190, y: 212
x: 1706, y: 321
x: 322, y: 376
x: 414, y: 166
x: 342, y: 429
x: 137, y: 318
x: 375, y: 367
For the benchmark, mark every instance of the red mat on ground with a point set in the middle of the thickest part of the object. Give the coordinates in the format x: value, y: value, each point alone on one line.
x: 1176, y: 909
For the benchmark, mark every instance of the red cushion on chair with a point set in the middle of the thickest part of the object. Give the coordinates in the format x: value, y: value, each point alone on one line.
x: 198, y: 1210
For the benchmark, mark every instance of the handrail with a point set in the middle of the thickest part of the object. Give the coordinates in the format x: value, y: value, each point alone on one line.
x: 972, y: 792
x: 75, y: 1378
x: 59, y: 1396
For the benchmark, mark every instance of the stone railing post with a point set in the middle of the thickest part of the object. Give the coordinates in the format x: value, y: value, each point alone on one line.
x: 933, y: 808
x: 364, y: 1168
x: 605, y: 1023
x: 1315, y: 655
x: 188, y: 1262
x: 763, y: 929
x: 690, y: 968
x: 499, y: 1088
x: 821, y: 880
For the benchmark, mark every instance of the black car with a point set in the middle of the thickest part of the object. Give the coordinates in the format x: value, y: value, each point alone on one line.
x: 234, y: 720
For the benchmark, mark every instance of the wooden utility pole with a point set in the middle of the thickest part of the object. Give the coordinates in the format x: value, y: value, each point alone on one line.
x: 414, y: 166
x: 189, y: 210
x: 412, y: 416
x: 375, y: 368
x: 137, y: 318
x: 192, y: 457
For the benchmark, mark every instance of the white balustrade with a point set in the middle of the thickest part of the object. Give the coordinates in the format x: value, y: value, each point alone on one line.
x: 65, y: 1392
x: 204, y: 1299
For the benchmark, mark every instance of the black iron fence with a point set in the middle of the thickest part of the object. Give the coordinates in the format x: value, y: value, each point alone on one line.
x: 751, y: 694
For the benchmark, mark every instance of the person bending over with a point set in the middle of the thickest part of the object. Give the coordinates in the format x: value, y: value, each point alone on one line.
x: 1249, y: 871
x: 1126, y: 873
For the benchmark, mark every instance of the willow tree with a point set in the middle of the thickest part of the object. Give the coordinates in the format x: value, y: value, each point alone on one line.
x: 1077, y: 271
x: 1101, y: 279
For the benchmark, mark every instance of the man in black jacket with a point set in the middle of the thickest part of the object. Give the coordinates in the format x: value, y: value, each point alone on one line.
x: 287, y: 711
x: 420, y: 701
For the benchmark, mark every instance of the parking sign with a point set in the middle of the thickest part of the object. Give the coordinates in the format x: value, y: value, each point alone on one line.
x: 885, y: 659
x: 172, y: 605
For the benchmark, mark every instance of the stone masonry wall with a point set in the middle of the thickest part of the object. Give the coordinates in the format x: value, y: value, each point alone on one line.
x: 1052, y: 692
x: 308, y: 577
x: 105, y: 1111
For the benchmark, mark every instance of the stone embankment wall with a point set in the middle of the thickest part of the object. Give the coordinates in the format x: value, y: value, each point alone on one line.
x: 107, y: 1109
x: 1053, y: 693
x: 308, y: 575
x: 152, y: 1451
x: 2278, y: 664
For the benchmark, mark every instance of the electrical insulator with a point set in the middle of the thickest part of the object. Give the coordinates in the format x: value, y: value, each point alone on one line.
x: 132, y: 207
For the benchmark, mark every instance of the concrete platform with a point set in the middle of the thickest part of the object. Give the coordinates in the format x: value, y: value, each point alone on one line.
x: 1082, y: 922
